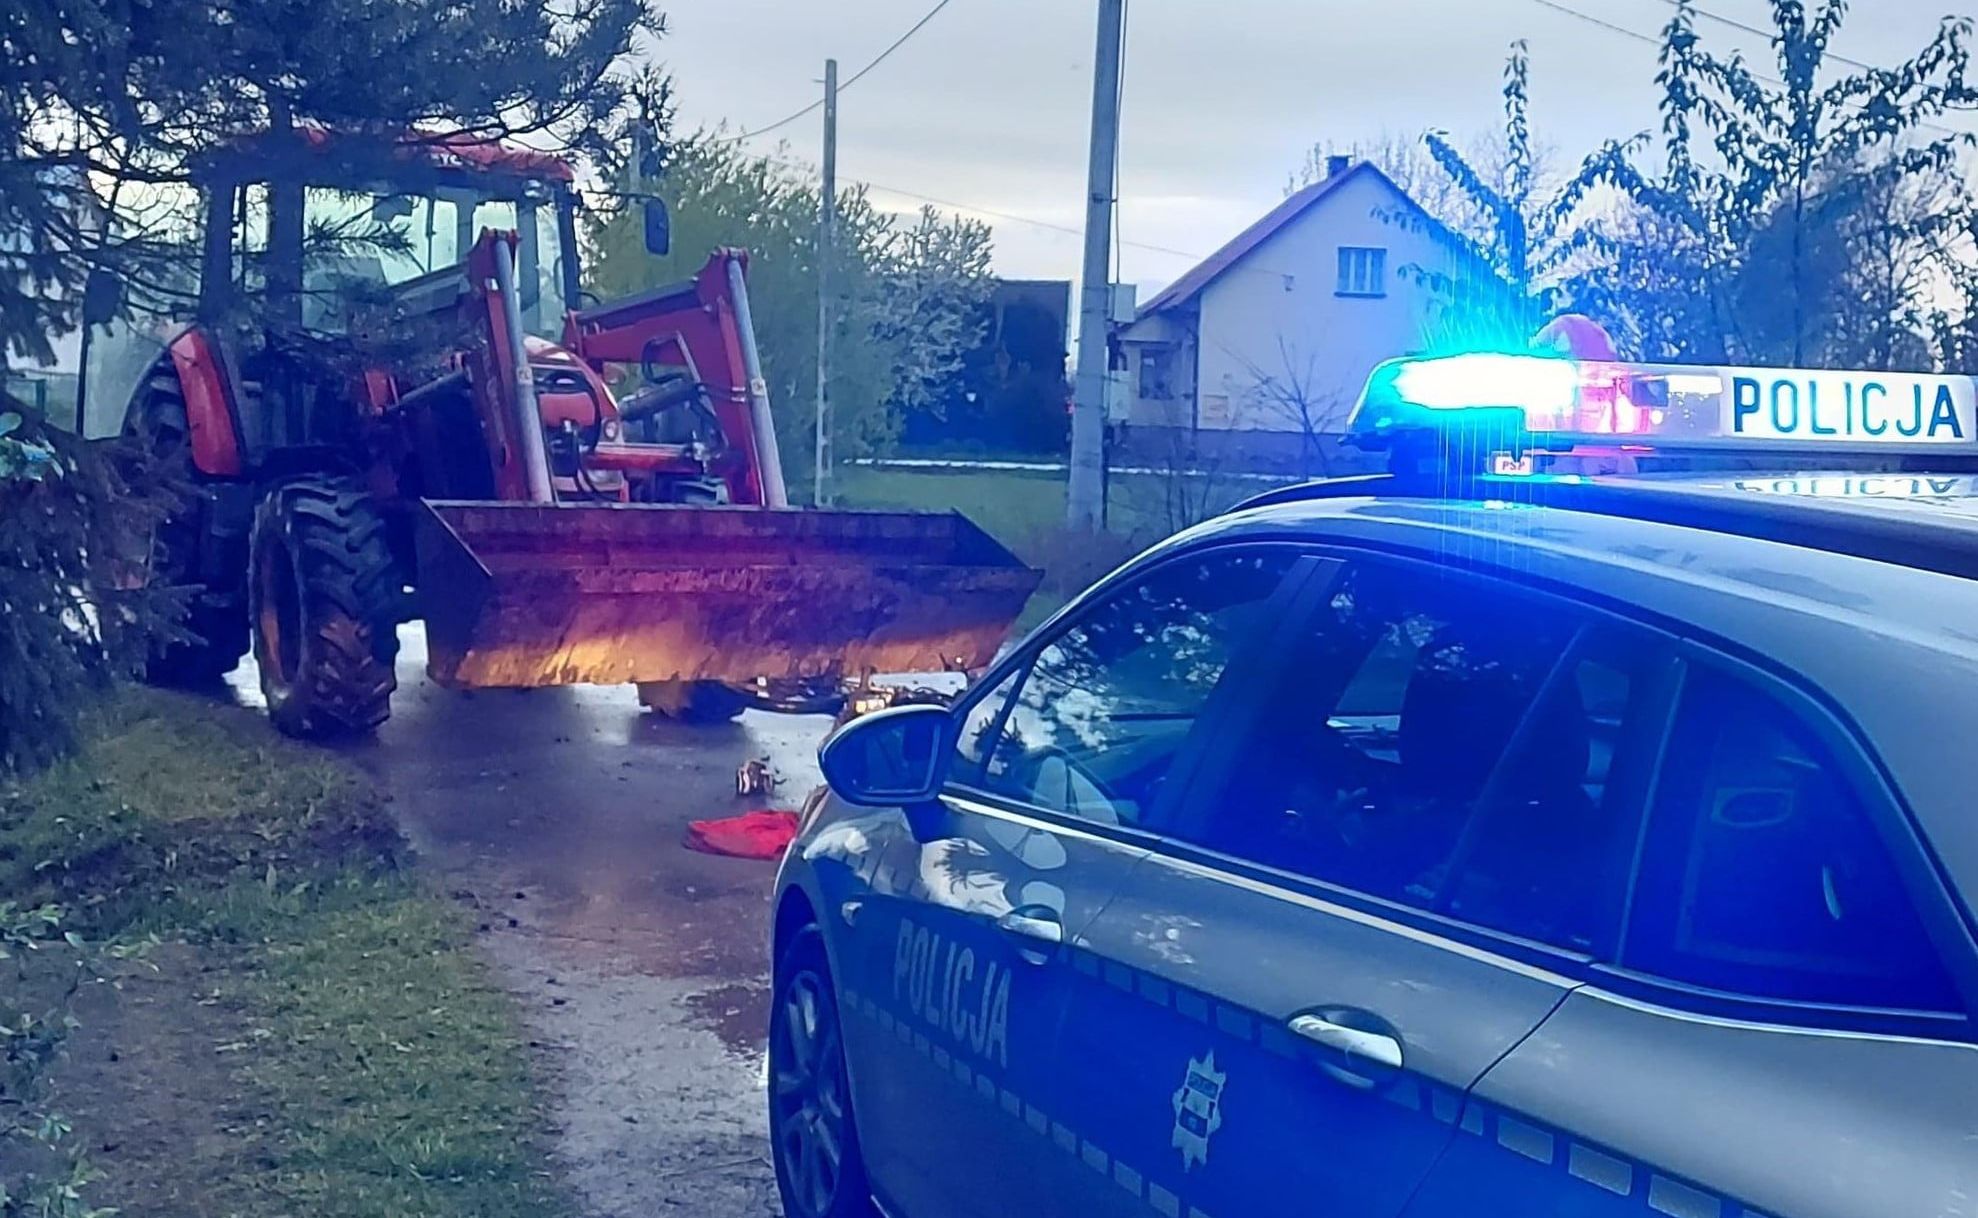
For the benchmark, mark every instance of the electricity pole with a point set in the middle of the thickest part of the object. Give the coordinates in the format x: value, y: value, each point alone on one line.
x: 1085, y: 503
x: 827, y: 215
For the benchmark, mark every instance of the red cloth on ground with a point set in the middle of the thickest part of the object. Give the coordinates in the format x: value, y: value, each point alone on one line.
x: 762, y: 834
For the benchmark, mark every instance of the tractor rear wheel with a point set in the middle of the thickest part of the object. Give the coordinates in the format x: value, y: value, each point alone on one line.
x: 326, y: 595
x: 216, y: 614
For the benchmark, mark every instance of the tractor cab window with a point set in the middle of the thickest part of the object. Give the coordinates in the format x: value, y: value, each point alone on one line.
x: 357, y: 242
x: 355, y: 238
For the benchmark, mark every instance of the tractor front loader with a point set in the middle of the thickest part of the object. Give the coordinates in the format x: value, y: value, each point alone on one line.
x: 406, y: 441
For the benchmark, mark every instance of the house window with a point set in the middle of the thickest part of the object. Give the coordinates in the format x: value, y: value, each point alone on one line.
x: 1157, y: 373
x: 1362, y: 271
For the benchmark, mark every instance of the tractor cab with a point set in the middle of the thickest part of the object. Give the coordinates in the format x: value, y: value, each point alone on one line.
x: 307, y: 235
x: 373, y: 221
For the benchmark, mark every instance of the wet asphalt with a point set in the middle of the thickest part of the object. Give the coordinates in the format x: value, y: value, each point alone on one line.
x: 556, y: 816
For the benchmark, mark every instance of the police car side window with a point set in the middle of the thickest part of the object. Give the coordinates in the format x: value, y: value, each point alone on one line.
x: 1443, y: 743
x: 1545, y: 853
x: 1105, y: 706
x: 1763, y: 873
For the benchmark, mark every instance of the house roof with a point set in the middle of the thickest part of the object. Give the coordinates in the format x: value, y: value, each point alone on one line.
x: 1295, y: 205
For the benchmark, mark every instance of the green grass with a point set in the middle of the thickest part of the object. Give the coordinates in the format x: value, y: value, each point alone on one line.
x: 1026, y: 511
x: 1012, y: 505
x: 396, y: 1078
x: 1015, y: 505
x: 174, y: 802
x: 381, y: 1054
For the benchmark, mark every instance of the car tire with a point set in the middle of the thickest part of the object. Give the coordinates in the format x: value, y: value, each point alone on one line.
x: 813, y: 1138
x: 325, y: 594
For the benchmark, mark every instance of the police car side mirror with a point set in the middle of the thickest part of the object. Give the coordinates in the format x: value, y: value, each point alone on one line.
x: 890, y: 758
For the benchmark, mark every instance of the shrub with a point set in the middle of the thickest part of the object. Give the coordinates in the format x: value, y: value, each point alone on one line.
x: 77, y: 519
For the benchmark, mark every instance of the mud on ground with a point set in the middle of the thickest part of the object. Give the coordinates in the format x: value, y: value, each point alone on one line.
x: 641, y: 968
x: 146, y: 1086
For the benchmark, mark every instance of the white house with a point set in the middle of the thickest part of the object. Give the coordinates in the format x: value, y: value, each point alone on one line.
x: 1266, y: 344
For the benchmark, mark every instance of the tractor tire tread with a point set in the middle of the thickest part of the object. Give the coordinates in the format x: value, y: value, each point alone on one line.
x: 350, y: 605
x: 216, y: 617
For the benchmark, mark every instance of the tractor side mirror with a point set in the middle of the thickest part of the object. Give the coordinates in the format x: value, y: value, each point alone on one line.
x: 102, y: 297
x: 659, y: 228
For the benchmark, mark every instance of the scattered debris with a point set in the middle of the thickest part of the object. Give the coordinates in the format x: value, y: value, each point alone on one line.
x: 869, y: 698
x: 755, y: 777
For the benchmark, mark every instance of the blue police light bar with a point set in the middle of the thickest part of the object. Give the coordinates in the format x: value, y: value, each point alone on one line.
x: 1550, y: 401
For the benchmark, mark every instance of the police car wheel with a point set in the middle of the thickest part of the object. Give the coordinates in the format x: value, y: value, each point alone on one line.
x: 818, y: 1170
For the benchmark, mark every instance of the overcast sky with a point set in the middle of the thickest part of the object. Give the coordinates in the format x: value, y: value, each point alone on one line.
x: 988, y: 105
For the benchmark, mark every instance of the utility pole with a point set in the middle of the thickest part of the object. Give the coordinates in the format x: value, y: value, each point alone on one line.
x: 1085, y: 502
x: 827, y: 217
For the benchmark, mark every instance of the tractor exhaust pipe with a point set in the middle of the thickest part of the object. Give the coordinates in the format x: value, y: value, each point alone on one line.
x: 529, y: 419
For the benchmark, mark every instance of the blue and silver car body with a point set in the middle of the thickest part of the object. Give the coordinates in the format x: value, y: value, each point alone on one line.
x: 1497, y: 837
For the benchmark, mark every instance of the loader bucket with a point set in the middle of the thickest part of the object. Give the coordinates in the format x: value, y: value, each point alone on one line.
x: 523, y: 594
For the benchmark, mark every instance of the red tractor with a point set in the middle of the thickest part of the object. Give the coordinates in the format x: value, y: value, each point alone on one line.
x: 434, y: 425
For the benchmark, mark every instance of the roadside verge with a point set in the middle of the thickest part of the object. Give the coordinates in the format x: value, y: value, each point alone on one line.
x: 289, y: 1023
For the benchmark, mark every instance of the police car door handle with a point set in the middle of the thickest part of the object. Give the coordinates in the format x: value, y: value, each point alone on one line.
x: 1036, y: 924
x: 1356, y: 1044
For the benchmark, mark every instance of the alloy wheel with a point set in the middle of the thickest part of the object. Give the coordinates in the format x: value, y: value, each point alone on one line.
x: 807, y: 1072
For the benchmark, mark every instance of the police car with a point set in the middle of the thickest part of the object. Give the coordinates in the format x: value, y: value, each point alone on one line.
x: 1578, y: 820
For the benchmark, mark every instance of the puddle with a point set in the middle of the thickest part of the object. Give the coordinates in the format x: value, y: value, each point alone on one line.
x: 738, y: 1013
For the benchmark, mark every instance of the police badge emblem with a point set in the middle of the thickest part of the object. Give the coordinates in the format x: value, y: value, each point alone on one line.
x: 1198, y: 1110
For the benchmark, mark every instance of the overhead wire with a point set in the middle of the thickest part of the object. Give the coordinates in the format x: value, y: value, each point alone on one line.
x: 1047, y: 225
x: 851, y: 80
x: 993, y: 213
x: 1033, y: 221
x: 1604, y: 24
x: 1766, y: 34
x: 1652, y: 40
x: 896, y: 44
x: 1120, y: 243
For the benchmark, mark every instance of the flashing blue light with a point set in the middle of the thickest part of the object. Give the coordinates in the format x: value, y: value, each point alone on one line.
x: 1542, y: 387
x: 1648, y: 406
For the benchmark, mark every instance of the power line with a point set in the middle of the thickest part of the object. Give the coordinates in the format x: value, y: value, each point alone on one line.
x: 1767, y: 35
x: 1653, y: 41
x: 1068, y: 230
x: 1609, y: 26
x: 1014, y: 218
x: 851, y: 80
x: 881, y: 57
